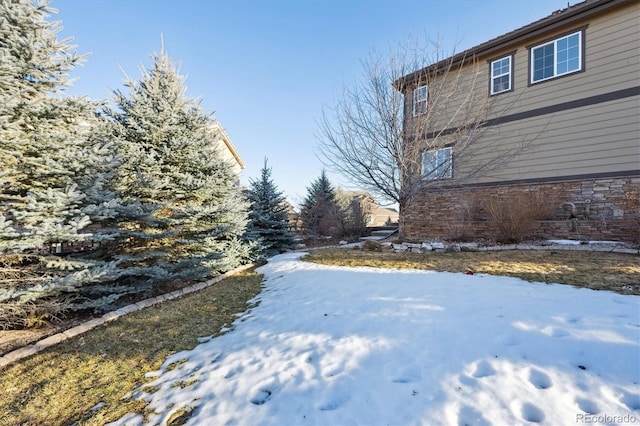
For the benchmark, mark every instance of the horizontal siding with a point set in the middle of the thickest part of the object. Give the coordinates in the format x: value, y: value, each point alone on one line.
x: 612, y: 60
x: 603, y: 118
x: 600, y: 138
x: 564, y: 156
x: 466, y: 87
x: 578, y: 124
x: 596, y: 139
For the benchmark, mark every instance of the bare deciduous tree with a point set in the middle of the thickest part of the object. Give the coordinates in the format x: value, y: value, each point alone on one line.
x: 378, y: 141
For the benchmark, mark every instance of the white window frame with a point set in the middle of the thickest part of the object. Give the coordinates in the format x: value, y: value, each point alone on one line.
x: 508, y: 73
x: 554, y: 42
x: 432, y: 158
x: 420, y: 99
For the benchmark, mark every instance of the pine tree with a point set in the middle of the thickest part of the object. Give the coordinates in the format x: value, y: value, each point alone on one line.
x: 268, y: 218
x: 320, y: 213
x: 353, y: 215
x: 55, y: 172
x: 171, y: 165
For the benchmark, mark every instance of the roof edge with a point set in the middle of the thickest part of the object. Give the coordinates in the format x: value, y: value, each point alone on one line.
x: 550, y: 23
x: 227, y: 142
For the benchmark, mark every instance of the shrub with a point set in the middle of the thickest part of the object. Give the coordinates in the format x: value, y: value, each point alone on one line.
x: 514, y: 216
x: 370, y: 245
x: 463, y: 224
x: 632, y: 201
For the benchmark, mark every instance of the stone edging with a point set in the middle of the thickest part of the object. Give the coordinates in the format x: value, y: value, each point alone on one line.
x: 562, y: 247
x: 456, y: 247
x: 47, y: 342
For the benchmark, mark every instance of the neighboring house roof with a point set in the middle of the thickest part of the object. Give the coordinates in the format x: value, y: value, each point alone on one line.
x: 556, y: 20
x: 289, y: 207
x: 386, y: 211
x: 227, y: 142
x: 381, y: 216
x: 359, y: 194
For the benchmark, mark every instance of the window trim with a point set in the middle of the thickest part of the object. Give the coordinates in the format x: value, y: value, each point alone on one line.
x: 554, y: 40
x: 425, y: 100
x: 449, y: 171
x: 511, y: 58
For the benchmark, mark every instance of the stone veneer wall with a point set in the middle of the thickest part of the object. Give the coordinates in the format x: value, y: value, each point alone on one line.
x: 590, y: 209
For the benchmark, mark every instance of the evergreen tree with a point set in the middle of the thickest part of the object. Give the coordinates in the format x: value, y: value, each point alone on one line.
x: 55, y: 172
x: 320, y: 213
x: 268, y: 218
x: 171, y: 165
x: 353, y: 215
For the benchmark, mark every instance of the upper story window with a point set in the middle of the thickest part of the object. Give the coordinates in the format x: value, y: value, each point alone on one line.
x: 420, y: 95
x: 501, y: 75
x: 557, y: 57
x: 437, y: 164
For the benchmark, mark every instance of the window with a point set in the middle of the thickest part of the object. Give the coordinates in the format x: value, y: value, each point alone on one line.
x: 437, y: 164
x: 501, y: 75
x: 557, y: 57
x: 420, y: 100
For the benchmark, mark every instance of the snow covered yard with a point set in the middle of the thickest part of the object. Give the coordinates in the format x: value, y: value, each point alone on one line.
x: 341, y: 346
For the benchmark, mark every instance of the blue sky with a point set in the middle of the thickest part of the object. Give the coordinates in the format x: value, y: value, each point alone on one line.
x: 267, y: 68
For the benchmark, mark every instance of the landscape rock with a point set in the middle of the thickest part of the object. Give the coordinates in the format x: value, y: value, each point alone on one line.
x: 49, y: 341
x: 468, y: 245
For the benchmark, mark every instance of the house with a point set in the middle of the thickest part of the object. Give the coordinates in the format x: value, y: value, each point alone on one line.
x: 293, y: 216
x: 552, y: 110
x: 382, y: 216
x: 227, y: 150
x: 374, y: 215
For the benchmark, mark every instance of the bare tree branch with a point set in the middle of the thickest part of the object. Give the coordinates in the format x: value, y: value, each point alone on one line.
x: 374, y: 139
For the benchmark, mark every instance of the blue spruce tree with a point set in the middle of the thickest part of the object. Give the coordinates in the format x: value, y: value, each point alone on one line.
x: 56, y: 176
x: 268, y: 216
x: 171, y: 165
x: 320, y: 213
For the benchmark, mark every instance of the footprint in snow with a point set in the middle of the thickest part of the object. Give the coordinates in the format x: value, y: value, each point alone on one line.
x: 631, y: 400
x: 470, y: 416
x: 406, y: 374
x: 532, y: 413
x: 262, y: 396
x: 587, y: 406
x: 508, y: 340
x: 483, y: 369
x: 331, y: 404
x: 539, y: 379
x: 334, y: 396
x: 232, y: 372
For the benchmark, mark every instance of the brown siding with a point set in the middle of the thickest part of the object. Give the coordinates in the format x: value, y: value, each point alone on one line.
x: 595, y: 139
x: 592, y: 139
x: 565, y: 131
x: 612, y: 60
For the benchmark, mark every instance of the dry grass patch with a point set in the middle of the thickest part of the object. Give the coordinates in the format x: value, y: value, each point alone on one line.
x: 596, y: 270
x: 85, y: 380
